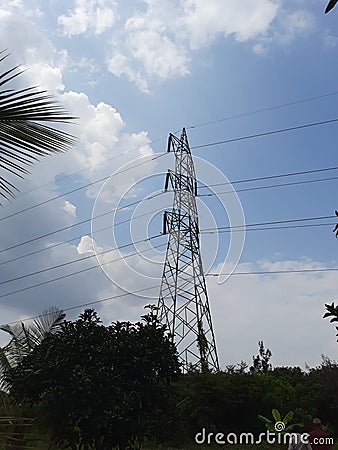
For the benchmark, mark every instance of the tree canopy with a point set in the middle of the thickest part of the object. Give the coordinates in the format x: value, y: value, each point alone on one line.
x: 101, y: 386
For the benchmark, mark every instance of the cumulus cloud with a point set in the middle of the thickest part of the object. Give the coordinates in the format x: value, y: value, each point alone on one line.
x: 103, y: 146
x: 94, y: 16
x: 158, y: 39
x: 86, y: 245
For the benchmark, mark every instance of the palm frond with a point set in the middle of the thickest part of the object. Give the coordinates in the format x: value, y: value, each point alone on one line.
x: 25, y: 336
x: 48, y: 322
x: 24, y: 137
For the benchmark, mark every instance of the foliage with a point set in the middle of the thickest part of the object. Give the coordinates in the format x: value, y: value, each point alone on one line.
x: 332, y: 311
x: 101, y: 386
x: 23, y: 135
x: 25, y: 336
x: 261, y: 363
x: 16, y: 420
x: 278, y: 424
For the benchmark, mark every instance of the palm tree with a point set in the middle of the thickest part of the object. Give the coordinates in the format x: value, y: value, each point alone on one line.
x: 15, y: 423
x: 23, y: 135
x: 25, y: 336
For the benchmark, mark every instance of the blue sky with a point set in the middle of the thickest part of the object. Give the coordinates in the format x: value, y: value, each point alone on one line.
x: 134, y: 71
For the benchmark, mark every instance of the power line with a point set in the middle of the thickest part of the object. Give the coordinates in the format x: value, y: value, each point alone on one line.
x: 145, y: 214
x: 258, y: 188
x: 79, y: 223
x: 136, y: 202
x: 78, y: 272
x: 92, y: 166
x: 132, y: 204
x: 209, y: 274
x: 80, y: 188
x: 266, y: 272
x: 205, y: 231
x: 84, y: 258
x: 283, y: 130
x: 139, y: 291
x: 288, y: 227
x: 282, y: 175
x: 189, y: 127
x: 75, y: 238
x: 275, y: 222
x: 269, y: 108
x: 266, y: 133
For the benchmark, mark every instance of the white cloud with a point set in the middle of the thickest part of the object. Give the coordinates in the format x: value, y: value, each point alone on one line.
x: 30, y: 48
x: 70, y: 208
x: 246, y: 19
x: 86, y: 245
x: 103, y: 147
x: 88, y: 15
x: 149, y: 46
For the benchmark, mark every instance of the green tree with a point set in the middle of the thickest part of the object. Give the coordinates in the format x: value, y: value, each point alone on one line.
x: 101, y: 386
x: 261, y: 362
x: 24, y: 135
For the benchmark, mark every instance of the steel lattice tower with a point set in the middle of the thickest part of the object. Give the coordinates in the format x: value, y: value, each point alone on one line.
x: 183, y: 304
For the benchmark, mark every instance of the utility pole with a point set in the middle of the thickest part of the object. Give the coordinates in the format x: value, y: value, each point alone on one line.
x: 183, y: 304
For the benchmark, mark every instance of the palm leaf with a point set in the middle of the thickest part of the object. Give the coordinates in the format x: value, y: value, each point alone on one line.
x: 24, y: 135
x: 24, y: 337
x: 276, y: 415
x: 288, y: 417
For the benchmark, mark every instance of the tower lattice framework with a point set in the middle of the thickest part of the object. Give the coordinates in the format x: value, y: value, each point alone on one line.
x: 183, y: 304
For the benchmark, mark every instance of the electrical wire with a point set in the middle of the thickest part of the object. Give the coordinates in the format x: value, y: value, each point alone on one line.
x: 75, y: 238
x: 151, y: 197
x: 286, y: 227
x: 113, y: 297
x: 84, y: 258
x: 258, y: 188
x: 288, y: 174
x: 269, y: 108
x: 266, y: 133
x: 79, y: 223
x: 271, y: 272
x: 43, y: 283
x: 205, y: 231
x: 331, y: 269
x: 188, y: 127
x: 81, y: 187
x: 274, y: 222
x: 92, y: 166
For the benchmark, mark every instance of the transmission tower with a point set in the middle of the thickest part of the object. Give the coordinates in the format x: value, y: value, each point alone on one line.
x: 183, y: 304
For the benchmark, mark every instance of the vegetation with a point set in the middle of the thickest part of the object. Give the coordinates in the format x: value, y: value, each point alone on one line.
x: 87, y: 386
x: 24, y: 137
x: 332, y: 311
x: 100, y: 387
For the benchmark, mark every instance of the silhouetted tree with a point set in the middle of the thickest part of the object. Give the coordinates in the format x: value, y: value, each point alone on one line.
x: 101, y: 386
x: 261, y: 362
x: 332, y: 311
